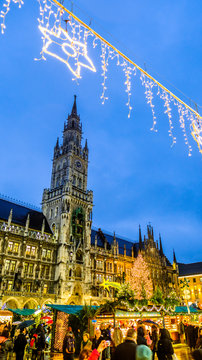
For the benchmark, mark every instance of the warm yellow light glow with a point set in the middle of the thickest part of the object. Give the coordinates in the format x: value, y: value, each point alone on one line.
x: 70, y: 47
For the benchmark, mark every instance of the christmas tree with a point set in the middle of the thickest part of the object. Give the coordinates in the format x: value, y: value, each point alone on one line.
x: 140, y: 279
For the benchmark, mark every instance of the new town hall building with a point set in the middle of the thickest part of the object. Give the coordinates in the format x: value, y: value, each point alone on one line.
x: 55, y: 256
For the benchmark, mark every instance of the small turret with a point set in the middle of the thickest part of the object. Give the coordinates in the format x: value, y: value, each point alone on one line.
x: 10, y: 218
x: 27, y: 224
x: 43, y: 227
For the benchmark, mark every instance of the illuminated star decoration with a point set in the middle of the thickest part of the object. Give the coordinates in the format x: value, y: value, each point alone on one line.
x: 108, y: 283
x: 70, y: 49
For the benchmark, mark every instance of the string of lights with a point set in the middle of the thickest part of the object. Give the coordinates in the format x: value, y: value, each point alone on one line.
x: 70, y: 46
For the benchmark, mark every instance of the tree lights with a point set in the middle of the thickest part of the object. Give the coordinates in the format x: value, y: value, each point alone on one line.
x: 140, y: 279
x: 70, y: 46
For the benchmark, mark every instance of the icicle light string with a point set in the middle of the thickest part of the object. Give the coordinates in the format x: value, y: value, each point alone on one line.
x: 149, y: 96
x: 195, y: 130
x: 75, y: 51
x: 3, y: 14
x: 104, y: 61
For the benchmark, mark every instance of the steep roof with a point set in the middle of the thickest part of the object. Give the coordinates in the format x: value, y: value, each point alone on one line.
x: 20, y: 213
x: 110, y: 238
x: 190, y: 269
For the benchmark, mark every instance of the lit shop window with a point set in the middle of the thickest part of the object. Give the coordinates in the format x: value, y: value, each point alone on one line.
x: 99, y: 264
x: 28, y: 250
x: 10, y: 246
x: 12, y: 265
x: 99, y: 277
x: 28, y: 287
x: 45, y: 289
x: 44, y: 253
x: 33, y: 251
x: 16, y: 248
x: 7, y: 265
x: 109, y: 277
x: 26, y: 267
x: 31, y: 268
x: 109, y: 267
x: 10, y: 285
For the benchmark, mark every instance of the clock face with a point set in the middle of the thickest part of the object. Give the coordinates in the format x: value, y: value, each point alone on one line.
x: 78, y: 164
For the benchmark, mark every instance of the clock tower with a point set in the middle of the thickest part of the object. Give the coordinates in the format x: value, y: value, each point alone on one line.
x: 68, y: 208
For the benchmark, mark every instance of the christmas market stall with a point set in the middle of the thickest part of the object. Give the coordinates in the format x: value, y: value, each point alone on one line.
x: 61, y: 319
x: 182, y: 317
x: 126, y: 319
x: 6, y: 317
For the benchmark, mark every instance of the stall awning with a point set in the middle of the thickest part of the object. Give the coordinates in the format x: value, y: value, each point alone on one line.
x: 68, y: 309
x: 23, y: 312
x: 183, y: 309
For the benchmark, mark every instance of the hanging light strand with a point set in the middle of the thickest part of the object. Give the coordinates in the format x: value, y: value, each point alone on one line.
x: 149, y: 82
x: 4, y: 12
x: 105, y: 62
x: 75, y: 56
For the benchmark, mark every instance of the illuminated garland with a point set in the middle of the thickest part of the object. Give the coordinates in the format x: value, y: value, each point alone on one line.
x: 3, y: 13
x: 149, y: 309
x: 70, y: 47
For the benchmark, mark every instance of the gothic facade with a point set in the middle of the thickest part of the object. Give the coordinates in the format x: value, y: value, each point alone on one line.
x: 55, y: 255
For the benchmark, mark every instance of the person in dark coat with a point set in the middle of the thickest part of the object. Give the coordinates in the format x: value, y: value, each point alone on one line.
x: 140, y: 337
x: 97, y: 339
x: 126, y: 350
x: 154, y: 340
x: 19, y: 345
x: 191, y: 342
x: 165, y: 347
x: 37, y: 352
x: 197, y: 354
x: 69, y: 345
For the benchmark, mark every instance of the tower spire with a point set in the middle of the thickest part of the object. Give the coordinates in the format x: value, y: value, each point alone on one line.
x: 174, y: 257
x: 140, y: 238
x: 160, y: 244
x: 74, y: 107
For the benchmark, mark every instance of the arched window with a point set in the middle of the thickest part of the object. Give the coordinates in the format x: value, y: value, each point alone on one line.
x: 56, y: 211
x: 78, y: 272
x: 74, y: 180
x: 51, y: 213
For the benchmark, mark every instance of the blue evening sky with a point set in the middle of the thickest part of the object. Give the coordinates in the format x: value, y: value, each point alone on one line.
x: 136, y: 177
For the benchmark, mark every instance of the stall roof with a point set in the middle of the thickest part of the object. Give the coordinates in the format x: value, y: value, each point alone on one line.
x: 23, y: 312
x: 183, y: 309
x: 68, y: 309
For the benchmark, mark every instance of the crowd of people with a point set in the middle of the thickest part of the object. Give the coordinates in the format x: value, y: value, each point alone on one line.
x: 110, y: 344
x: 26, y: 343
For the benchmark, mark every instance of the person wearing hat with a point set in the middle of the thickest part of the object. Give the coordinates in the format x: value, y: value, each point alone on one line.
x: 143, y: 352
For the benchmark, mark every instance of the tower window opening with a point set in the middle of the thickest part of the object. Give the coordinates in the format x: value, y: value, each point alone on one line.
x: 56, y: 211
